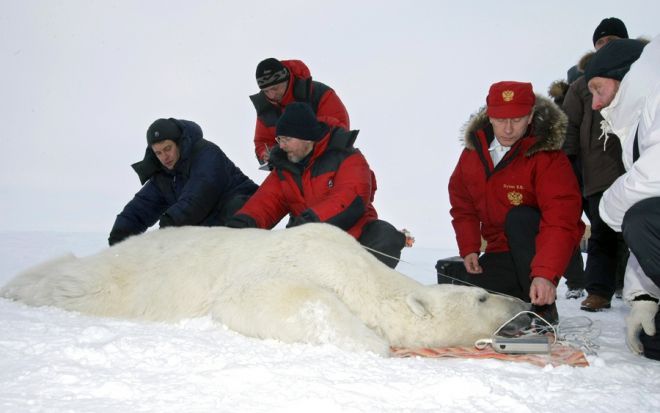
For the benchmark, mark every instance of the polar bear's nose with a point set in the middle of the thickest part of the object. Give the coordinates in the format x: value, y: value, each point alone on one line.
x: 512, y: 328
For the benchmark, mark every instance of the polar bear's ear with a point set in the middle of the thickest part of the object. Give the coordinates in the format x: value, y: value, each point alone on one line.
x: 417, y: 305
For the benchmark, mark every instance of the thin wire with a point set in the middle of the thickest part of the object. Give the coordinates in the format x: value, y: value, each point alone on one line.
x: 534, y: 331
x: 478, y: 286
x: 444, y: 275
x: 386, y: 255
x: 580, y: 332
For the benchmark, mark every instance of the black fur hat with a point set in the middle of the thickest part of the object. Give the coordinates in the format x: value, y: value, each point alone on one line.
x: 614, y: 59
x: 163, y: 129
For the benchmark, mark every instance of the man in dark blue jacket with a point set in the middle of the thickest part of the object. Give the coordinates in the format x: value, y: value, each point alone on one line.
x: 186, y: 179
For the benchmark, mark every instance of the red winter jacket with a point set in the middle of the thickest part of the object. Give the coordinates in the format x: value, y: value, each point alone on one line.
x: 535, y: 172
x: 325, y: 102
x: 335, y: 187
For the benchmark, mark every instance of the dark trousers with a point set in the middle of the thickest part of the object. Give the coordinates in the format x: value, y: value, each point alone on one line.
x: 652, y: 343
x: 508, y: 272
x: 606, y: 251
x: 499, y: 274
x: 383, y: 237
x: 641, y: 231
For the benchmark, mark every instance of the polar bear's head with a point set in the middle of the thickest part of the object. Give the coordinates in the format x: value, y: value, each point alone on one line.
x: 450, y: 315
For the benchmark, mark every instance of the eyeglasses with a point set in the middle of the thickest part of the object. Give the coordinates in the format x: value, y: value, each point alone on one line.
x: 283, y: 139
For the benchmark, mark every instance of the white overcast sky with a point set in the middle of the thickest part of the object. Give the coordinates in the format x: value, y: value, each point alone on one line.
x: 83, y: 79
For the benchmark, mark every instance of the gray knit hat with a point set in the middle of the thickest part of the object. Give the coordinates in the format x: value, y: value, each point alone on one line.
x: 271, y: 72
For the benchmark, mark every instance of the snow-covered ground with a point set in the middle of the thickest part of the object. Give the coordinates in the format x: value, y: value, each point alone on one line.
x: 57, y: 361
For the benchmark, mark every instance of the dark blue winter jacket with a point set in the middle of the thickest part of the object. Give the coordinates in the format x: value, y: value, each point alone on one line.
x: 192, y: 193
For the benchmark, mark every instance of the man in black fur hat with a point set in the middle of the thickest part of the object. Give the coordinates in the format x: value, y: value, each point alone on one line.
x: 186, y: 180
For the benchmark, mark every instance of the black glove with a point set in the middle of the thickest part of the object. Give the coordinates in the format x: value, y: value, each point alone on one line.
x: 118, y: 235
x: 241, y: 221
x: 166, y: 221
x: 306, y: 217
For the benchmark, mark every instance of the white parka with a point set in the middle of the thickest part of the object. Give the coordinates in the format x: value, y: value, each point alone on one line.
x: 637, y: 103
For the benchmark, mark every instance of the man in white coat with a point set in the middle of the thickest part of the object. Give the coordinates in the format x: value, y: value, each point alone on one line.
x: 624, y: 78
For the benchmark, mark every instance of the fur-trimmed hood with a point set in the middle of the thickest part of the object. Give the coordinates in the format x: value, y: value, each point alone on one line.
x: 557, y: 90
x: 584, y: 61
x: 548, y: 126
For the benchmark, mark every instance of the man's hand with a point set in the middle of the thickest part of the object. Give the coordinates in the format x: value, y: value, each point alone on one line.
x: 118, y: 236
x: 266, y: 156
x: 305, y: 217
x: 166, y: 221
x: 241, y: 221
x: 471, y: 262
x: 642, y: 316
x: 542, y: 291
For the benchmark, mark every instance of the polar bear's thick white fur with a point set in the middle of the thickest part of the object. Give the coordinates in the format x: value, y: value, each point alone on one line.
x: 312, y: 284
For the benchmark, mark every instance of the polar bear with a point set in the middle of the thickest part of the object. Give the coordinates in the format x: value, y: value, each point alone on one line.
x: 313, y: 284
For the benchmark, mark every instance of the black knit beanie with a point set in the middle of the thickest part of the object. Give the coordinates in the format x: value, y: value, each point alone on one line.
x: 163, y: 129
x: 614, y: 59
x: 610, y: 26
x: 271, y: 72
x: 299, y: 121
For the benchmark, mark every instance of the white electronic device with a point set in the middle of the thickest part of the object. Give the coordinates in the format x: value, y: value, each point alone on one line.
x: 522, y: 345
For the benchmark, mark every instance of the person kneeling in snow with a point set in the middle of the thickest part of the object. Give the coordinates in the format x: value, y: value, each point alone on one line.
x: 187, y: 181
x: 318, y: 176
x: 514, y: 187
x: 625, y: 83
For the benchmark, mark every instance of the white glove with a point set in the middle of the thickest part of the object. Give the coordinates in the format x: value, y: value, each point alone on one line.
x: 642, y: 316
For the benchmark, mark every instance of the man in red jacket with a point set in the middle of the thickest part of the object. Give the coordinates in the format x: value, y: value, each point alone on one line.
x: 318, y: 176
x: 285, y: 82
x: 514, y: 187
